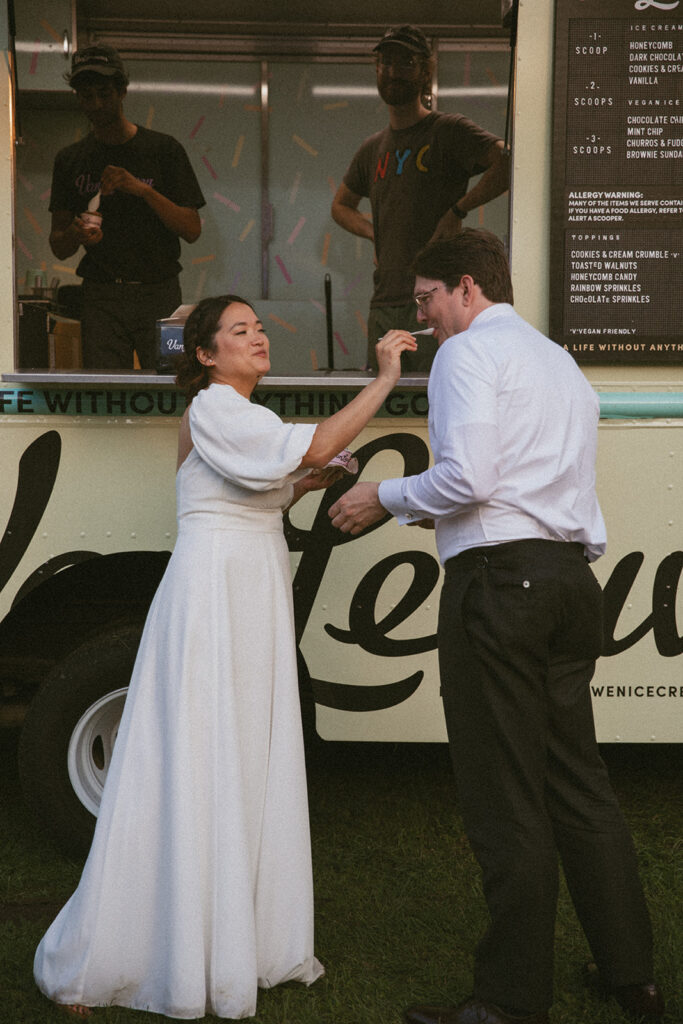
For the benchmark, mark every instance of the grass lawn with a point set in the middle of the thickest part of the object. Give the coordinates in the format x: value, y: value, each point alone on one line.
x: 398, y: 896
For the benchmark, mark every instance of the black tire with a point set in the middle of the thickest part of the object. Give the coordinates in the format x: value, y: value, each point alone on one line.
x: 69, y: 733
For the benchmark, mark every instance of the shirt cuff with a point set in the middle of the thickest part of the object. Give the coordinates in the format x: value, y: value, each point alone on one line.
x: 392, y: 496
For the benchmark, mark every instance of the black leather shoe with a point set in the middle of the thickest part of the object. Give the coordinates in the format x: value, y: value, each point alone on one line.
x: 472, y: 1011
x: 643, y: 1002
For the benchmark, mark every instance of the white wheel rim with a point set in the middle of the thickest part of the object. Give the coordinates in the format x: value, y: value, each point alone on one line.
x: 91, y: 746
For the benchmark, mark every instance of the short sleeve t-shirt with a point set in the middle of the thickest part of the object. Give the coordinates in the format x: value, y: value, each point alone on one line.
x: 135, y: 246
x: 412, y: 177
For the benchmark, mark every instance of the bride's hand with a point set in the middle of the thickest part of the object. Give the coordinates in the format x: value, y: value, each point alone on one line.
x: 318, y: 479
x: 388, y: 351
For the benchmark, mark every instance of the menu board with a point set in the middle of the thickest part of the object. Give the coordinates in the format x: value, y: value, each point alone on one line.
x: 617, y: 181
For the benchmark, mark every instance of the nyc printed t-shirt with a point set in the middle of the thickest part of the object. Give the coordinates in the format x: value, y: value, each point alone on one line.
x: 412, y: 177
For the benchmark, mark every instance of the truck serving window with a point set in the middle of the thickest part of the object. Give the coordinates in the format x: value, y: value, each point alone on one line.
x: 269, y: 140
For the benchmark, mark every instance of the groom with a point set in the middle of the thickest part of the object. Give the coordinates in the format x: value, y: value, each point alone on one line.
x: 513, y: 429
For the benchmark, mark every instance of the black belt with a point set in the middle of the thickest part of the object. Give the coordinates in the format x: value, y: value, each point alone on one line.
x: 500, y: 555
x: 124, y: 280
x: 114, y: 280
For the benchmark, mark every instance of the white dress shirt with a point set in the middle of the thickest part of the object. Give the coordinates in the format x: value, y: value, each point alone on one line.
x: 513, y: 430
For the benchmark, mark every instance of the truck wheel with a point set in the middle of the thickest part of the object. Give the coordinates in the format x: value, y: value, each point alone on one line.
x: 69, y: 733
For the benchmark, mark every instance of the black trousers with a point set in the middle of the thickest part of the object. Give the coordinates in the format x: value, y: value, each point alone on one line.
x: 519, y: 631
x: 119, y: 318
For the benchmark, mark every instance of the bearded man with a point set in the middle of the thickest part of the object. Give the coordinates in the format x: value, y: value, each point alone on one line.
x: 416, y: 174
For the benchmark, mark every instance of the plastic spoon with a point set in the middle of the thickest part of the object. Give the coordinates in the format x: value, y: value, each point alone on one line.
x: 425, y: 330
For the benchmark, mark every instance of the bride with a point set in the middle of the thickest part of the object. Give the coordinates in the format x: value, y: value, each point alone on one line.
x: 197, y: 889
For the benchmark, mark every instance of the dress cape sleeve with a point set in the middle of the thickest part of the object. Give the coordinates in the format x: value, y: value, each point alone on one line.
x: 246, y: 443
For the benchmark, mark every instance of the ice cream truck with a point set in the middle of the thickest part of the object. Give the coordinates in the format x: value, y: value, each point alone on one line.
x: 587, y: 97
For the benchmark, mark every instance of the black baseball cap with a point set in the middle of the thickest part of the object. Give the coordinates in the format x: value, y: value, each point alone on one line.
x: 98, y: 59
x: 408, y: 36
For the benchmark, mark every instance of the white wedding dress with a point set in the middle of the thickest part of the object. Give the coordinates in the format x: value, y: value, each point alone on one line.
x: 197, y: 889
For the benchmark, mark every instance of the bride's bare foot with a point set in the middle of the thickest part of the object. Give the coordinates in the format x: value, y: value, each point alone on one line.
x: 75, y: 1010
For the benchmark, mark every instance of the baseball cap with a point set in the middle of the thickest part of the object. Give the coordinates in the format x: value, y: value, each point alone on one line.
x: 409, y: 36
x: 99, y: 59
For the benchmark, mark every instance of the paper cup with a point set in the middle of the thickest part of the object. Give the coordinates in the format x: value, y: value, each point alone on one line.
x: 346, y: 460
x: 91, y: 219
